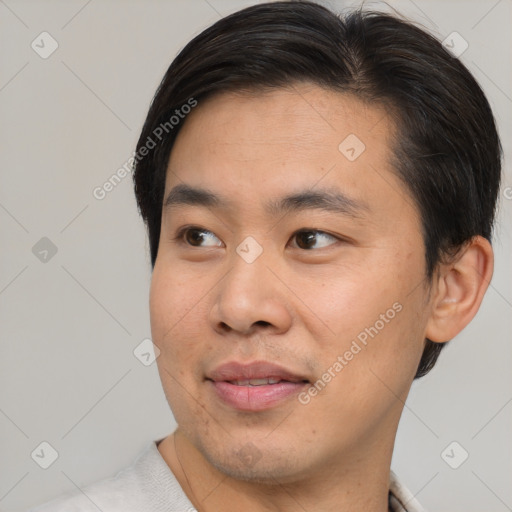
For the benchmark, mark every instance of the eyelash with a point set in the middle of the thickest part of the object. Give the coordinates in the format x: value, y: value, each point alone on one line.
x: 180, y: 236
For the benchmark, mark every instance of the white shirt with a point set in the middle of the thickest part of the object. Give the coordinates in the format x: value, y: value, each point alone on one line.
x: 148, y: 485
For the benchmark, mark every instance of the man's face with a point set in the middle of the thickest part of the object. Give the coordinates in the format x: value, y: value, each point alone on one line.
x: 328, y: 288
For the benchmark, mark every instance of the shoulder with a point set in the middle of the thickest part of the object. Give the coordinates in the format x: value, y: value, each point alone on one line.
x: 148, y: 484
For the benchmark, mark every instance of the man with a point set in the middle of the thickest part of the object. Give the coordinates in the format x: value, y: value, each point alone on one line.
x: 319, y: 194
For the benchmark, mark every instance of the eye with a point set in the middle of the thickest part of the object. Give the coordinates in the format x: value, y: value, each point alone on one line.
x: 198, y: 237
x: 313, y: 239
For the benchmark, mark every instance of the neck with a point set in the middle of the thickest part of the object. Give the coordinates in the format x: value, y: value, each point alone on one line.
x: 348, y: 482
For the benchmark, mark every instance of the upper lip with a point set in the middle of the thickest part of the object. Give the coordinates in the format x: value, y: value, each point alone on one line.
x: 235, y: 371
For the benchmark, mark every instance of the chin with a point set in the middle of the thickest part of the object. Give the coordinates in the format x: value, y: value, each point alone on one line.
x: 253, y: 462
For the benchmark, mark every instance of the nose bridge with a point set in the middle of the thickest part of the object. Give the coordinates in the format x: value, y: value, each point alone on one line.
x: 246, y: 283
x: 249, y: 263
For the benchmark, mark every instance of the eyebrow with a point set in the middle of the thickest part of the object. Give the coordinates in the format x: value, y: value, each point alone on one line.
x: 329, y: 200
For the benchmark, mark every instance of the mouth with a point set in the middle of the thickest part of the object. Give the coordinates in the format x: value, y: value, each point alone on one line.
x: 256, y: 382
x: 255, y: 386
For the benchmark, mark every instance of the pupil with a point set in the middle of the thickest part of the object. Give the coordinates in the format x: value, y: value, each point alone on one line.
x: 194, y: 237
x: 307, y: 238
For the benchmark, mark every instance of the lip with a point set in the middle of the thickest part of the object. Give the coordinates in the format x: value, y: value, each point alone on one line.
x: 254, y: 398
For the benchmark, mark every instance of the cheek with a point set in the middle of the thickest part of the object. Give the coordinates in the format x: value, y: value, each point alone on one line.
x: 376, y: 304
x: 350, y: 298
x: 176, y: 304
x: 368, y: 366
x: 163, y: 304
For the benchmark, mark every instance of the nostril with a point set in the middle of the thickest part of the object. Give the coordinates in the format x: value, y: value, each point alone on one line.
x: 225, y: 327
x: 262, y: 323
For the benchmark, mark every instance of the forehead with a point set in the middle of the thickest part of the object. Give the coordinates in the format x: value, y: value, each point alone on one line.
x: 273, y: 143
x: 299, y: 121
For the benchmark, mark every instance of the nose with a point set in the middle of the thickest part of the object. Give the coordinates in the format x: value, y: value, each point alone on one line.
x: 250, y: 299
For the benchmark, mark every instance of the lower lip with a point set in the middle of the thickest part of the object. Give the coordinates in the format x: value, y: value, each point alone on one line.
x: 256, y: 398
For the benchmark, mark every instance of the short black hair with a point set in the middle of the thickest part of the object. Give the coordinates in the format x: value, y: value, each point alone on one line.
x: 447, y: 150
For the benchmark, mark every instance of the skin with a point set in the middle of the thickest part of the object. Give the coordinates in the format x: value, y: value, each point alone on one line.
x: 298, y: 307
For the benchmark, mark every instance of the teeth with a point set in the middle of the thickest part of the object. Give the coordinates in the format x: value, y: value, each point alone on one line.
x: 255, y: 382
x: 258, y: 382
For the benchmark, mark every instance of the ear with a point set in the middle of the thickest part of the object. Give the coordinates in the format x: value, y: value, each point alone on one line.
x: 458, y: 290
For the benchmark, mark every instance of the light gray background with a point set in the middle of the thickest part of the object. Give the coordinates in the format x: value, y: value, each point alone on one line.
x: 69, y: 326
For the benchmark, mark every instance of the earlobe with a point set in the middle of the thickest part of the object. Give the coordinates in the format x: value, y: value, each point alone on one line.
x: 459, y: 289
